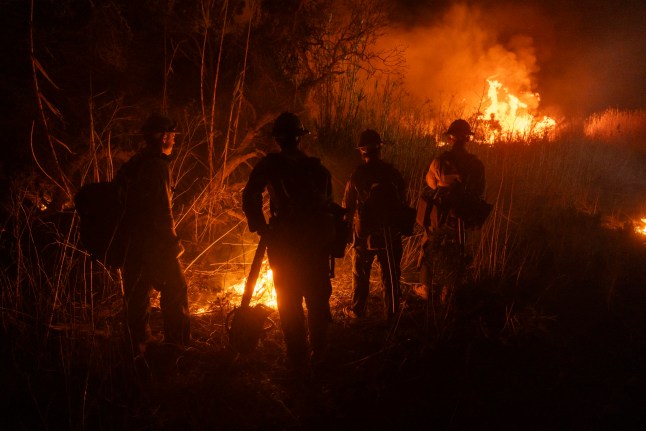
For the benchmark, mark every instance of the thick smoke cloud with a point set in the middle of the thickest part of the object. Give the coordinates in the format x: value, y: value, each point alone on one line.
x: 580, y: 56
x: 450, y: 59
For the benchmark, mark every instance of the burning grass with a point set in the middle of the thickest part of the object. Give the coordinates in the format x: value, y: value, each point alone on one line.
x: 614, y: 125
x: 508, y: 117
x: 548, y: 323
x: 545, y: 251
x: 640, y: 227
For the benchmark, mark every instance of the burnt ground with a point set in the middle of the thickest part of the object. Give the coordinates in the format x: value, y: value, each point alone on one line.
x: 484, y: 361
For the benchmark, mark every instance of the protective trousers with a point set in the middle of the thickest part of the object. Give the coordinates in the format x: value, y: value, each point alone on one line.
x: 166, y: 276
x: 441, y: 262
x: 301, y: 272
x: 390, y: 269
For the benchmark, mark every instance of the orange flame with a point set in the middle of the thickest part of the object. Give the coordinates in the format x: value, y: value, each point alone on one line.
x: 641, y: 229
x: 508, y: 117
x: 264, y: 292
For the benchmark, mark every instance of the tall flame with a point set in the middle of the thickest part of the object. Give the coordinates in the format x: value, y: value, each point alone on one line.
x: 508, y: 117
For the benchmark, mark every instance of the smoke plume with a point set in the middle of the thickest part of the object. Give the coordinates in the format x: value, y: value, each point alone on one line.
x: 581, y: 57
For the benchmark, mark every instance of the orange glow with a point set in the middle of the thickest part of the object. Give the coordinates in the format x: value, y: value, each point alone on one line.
x: 202, y: 310
x: 615, y: 125
x: 263, y: 293
x: 641, y: 229
x: 507, y: 117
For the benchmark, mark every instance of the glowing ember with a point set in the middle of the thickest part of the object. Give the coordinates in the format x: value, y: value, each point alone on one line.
x: 641, y: 229
x: 263, y: 292
x: 508, y: 117
x: 201, y: 310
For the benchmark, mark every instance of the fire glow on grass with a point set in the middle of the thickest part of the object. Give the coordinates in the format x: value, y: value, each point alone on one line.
x: 264, y: 292
x: 641, y: 229
x: 508, y: 117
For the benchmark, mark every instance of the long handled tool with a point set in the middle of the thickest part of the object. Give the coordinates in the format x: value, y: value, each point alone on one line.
x: 254, y: 271
x: 392, y: 266
x: 246, y: 324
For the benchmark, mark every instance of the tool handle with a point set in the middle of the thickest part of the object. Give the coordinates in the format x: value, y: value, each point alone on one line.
x: 254, y: 271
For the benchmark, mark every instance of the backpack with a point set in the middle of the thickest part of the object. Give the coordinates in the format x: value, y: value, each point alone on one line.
x: 472, y: 210
x: 101, y: 209
x: 383, y: 208
x: 303, y: 194
x: 301, y: 186
x: 104, y: 226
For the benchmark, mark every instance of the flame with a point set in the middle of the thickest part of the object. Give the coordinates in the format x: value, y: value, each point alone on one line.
x: 508, y: 117
x: 641, y: 229
x: 263, y: 292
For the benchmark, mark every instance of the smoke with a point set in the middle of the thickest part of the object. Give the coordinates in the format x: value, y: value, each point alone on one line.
x: 601, y: 66
x: 450, y: 59
x: 580, y: 57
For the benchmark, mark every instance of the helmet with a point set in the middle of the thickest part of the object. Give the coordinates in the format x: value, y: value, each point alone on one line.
x: 459, y: 128
x: 369, y: 140
x: 157, y: 123
x: 288, y: 124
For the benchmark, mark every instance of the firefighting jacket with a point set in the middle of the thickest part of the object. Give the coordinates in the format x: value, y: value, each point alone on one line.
x: 452, y: 170
x: 298, y: 186
x: 149, y: 202
x: 362, y: 184
x: 457, y: 166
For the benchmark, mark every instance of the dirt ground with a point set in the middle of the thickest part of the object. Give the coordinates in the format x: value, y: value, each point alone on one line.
x: 470, y: 364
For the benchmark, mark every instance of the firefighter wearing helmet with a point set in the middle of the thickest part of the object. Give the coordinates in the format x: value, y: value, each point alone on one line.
x: 151, y: 259
x: 453, y: 173
x: 373, y: 197
x: 288, y: 127
x: 299, y: 235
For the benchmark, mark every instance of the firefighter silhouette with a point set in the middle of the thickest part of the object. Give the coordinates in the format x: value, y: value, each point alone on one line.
x: 151, y: 259
x: 452, y: 174
x: 300, y: 232
x: 374, y: 196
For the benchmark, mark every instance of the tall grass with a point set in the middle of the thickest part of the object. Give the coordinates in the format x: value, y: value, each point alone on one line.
x: 557, y: 202
x: 551, y: 200
x: 557, y: 207
x: 614, y: 125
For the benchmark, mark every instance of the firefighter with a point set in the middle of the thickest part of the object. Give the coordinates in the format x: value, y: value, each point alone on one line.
x: 152, y: 256
x: 452, y: 174
x: 300, y: 233
x: 373, y: 197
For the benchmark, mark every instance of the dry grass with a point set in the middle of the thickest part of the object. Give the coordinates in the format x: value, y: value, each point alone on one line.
x: 547, y: 323
x: 614, y: 125
x: 558, y: 232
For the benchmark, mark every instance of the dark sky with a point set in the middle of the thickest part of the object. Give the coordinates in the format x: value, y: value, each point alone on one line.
x: 589, y: 54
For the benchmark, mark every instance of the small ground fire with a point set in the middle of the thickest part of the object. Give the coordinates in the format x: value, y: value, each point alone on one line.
x: 263, y: 293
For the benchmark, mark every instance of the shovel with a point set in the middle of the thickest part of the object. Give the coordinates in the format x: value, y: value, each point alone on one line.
x: 246, y: 324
